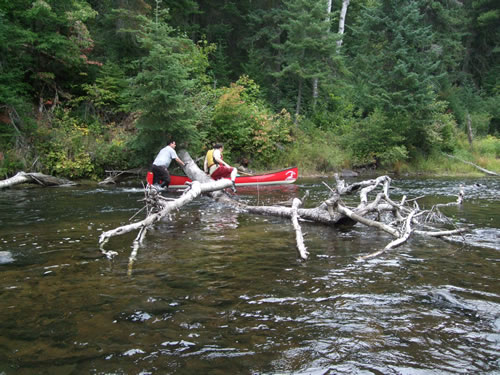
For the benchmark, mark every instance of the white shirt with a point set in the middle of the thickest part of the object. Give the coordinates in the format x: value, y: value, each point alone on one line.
x: 217, y: 155
x: 165, y: 157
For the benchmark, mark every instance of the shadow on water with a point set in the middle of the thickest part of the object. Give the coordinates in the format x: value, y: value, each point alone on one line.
x: 219, y: 291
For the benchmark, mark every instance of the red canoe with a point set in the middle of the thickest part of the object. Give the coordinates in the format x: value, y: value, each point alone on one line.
x: 286, y: 176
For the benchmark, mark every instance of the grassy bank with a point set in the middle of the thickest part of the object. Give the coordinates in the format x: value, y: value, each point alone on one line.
x: 322, y: 157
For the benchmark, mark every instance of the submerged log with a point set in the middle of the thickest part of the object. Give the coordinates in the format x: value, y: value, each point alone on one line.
x: 115, y: 177
x: 159, y: 207
x: 34, y: 178
x: 298, y: 230
x: 399, y: 219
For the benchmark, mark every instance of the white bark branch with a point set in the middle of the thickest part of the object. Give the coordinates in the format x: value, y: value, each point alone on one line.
x: 343, y: 12
x: 331, y: 212
x: 491, y: 173
x: 34, y: 178
x: 298, y: 231
x: 166, y: 207
x: 397, y: 242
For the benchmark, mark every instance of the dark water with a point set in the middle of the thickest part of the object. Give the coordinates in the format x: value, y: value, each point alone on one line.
x: 215, y: 291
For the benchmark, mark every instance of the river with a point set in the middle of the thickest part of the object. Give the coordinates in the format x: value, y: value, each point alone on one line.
x: 217, y: 291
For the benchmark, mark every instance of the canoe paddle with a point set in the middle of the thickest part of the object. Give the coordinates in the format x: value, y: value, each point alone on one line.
x: 245, y: 173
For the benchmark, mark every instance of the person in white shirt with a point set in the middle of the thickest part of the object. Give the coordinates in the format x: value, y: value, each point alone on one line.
x: 162, y: 162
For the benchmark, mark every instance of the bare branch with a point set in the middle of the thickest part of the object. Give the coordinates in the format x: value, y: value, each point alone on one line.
x: 298, y: 231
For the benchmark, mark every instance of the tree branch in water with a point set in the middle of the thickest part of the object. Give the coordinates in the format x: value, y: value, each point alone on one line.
x: 399, y: 219
x: 34, y: 178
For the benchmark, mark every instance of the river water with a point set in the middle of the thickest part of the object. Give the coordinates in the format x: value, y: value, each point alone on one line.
x: 216, y: 291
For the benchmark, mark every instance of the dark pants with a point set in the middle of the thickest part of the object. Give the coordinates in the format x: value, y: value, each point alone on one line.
x: 160, y: 175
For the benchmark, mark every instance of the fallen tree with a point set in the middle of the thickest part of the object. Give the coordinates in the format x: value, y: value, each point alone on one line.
x: 484, y: 170
x: 34, y: 178
x: 401, y: 219
x: 115, y: 176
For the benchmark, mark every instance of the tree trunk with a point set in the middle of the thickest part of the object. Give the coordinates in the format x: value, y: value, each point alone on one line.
x: 343, y: 12
x: 299, y: 100
x: 400, y: 220
x: 469, y: 130
x: 34, y: 178
x: 116, y: 177
x: 315, y: 80
x: 491, y: 173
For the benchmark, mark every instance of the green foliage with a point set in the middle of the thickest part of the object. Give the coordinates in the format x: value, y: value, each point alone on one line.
x: 71, y: 148
x: 111, y: 152
x: 10, y: 162
x: 314, y: 150
x: 447, y: 19
x: 373, y: 139
x: 246, y: 126
x: 488, y: 146
x: 163, y: 91
x: 482, y: 43
x: 467, y: 104
x: 397, y: 66
x: 310, y: 50
x: 407, y: 72
x: 439, y: 132
x: 336, y: 111
x: 104, y: 98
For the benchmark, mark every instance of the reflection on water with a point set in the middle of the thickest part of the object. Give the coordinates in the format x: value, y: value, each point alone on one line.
x: 214, y: 290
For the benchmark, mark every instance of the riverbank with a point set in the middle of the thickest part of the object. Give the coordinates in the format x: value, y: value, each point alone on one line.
x: 462, y: 163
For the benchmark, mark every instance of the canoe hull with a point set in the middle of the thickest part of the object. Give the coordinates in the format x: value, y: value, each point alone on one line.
x: 286, y: 176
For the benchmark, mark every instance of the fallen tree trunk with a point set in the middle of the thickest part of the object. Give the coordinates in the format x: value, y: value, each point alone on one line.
x: 159, y: 208
x: 400, y: 220
x: 491, y: 173
x: 116, y: 177
x: 34, y: 178
x: 303, y: 253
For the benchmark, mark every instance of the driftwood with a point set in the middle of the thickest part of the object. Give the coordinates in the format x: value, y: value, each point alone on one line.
x: 298, y: 230
x: 34, y: 178
x: 401, y: 219
x: 115, y: 177
x: 491, y: 173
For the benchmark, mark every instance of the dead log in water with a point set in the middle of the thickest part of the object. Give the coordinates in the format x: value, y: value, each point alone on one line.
x: 401, y: 219
x: 116, y: 176
x: 34, y: 178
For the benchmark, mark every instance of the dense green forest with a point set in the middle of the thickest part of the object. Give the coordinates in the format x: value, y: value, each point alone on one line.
x: 93, y: 85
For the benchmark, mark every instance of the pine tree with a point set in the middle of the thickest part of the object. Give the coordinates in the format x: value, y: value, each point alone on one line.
x: 394, y: 60
x: 397, y: 70
x: 309, y: 51
x: 163, y: 90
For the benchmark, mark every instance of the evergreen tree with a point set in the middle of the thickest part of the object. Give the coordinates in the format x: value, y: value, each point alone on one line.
x: 163, y: 90
x: 482, y: 43
x: 396, y: 66
x: 43, y: 45
x: 447, y: 19
x: 115, y: 29
x: 264, y: 55
x: 310, y: 49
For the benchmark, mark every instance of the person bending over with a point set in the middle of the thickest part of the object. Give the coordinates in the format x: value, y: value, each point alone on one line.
x: 162, y: 162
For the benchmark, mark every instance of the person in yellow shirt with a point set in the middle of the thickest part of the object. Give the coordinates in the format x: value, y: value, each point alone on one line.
x: 216, y: 167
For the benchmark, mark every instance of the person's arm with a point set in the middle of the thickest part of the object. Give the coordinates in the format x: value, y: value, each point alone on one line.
x: 205, y: 165
x: 180, y: 162
x: 219, y: 160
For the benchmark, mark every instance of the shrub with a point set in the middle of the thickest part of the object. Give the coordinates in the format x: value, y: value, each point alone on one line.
x: 315, y: 150
x: 373, y: 139
x: 70, y: 148
x: 247, y: 127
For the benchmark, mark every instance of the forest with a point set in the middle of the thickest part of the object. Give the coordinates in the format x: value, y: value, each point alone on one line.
x: 88, y: 86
